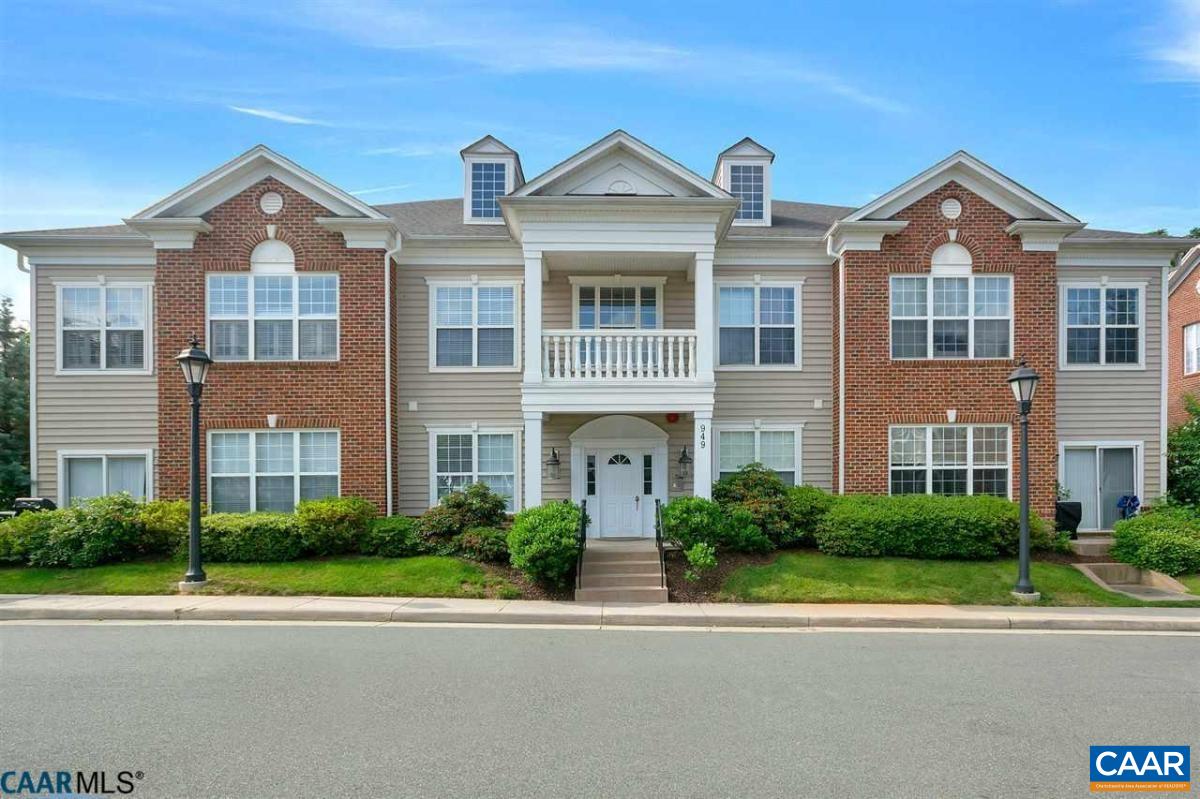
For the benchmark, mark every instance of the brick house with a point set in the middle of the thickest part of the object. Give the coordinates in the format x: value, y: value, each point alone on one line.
x: 1183, y: 333
x: 618, y: 329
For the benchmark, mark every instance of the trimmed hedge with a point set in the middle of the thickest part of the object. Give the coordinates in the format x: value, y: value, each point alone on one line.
x: 392, y: 537
x: 689, y: 521
x: 486, y: 544
x: 333, y: 526
x: 925, y: 526
x: 249, y: 537
x: 787, y: 515
x: 101, y: 530
x: 1165, y: 540
x: 543, y: 542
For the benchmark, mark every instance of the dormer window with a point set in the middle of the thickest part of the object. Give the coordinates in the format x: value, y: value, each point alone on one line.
x: 487, y: 184
x: 491, y: 169
x: 746, y: 183
x: 744, y: 170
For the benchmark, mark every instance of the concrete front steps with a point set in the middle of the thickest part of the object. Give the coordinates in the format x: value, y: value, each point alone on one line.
x: 628, y: 570
x: 1092, y: 545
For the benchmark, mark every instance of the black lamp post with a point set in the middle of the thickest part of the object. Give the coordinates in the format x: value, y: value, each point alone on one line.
x: 1023, y: 381
x: 194, y: 362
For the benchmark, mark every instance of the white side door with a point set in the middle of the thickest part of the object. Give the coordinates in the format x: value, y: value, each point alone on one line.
x: 620, y: 493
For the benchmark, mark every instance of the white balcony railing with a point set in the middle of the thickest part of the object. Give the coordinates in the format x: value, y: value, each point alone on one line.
x: 625, y: 354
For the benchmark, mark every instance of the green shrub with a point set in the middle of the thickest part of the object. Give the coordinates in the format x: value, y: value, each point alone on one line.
x: 487, y: 544
x: 701, y: 557
x: 438, y: 525
x: 1166, y: 540
x: 392, y: 537
x: 164, y: 525
x: 760, y: 491
x: 921, y: 526
x: 807, y: 506
x: 543, y: 542
x: 333, y: 526
x: 1183, y: 457
x: 100, y: 530
x: 250, y: 537
x: 27, y: 533
x: 688, y: 521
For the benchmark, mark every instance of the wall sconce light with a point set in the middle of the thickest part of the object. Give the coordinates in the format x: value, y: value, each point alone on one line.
x: 553, y: 465
x: 685, y: 464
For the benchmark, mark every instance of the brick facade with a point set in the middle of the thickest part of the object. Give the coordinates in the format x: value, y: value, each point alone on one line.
x: 347, y: 394
x: 880, y: 392
x: 1183, y: 310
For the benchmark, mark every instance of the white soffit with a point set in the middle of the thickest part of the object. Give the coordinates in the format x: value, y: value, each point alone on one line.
x: 975, y: 176
x: 247, y: 169
x: 620, y: 156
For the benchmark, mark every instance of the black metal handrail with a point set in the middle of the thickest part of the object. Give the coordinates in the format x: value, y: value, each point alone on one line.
x: 658, y: 540
x: 581, y: 543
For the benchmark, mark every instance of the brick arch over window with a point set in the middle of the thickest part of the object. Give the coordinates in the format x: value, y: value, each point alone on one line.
x: 259, y: 235
x: 979, y: 262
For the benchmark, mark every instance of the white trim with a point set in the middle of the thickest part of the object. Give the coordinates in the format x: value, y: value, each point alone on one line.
x: 970, y: 467
x: 1194, y: 327
x: 1164, y: 380
x: 510, y: 167
x: 253, y: 471
x: 797, y: 285
x: 841, y: 314
x: 30, y: 269
x: 657, y: 282
x: 758, y: 426
x: 148, y: 326
x: 475, y: 429
x: 1102, y: 283
x: 1139, y: 467
x: 63, y: 455
x: 250, y: 316
x: 474, y: 283
x: 727, y: 179
x: 929, y: 318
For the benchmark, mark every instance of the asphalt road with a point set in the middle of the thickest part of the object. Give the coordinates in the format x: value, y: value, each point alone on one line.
x: 331, y: 711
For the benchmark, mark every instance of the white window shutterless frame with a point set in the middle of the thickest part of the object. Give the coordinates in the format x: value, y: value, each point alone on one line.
x: 951, y: 317
x: 104, y: 328
x: 1097, y: 474
x: 776, y: 446
x: 1191, y: 349
x: 1102, y: 324
x: 261, y: 470
x: 474, y: 326
x: 460, y: 456
x: 758, y: 325
x: 273, y: 317
x: 83, y: 474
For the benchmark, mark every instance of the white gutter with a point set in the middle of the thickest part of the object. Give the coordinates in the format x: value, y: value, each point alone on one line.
x: 841, y: 374
x: 33, y: 447
x: 1165, y: 376
x: 387, y: 366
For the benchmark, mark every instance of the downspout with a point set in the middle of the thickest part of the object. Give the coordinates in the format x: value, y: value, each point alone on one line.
x: 33, y: 458
x: 841, y: 374
x: 387, y: 366
x: 1164, y: 309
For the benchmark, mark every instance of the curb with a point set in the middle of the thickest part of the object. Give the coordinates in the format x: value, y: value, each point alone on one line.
x: 383, y: 610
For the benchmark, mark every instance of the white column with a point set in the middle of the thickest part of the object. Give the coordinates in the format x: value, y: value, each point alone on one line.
x: 533, y: 457
x: 533, y: 317
x: 702, y: 454
x: 703, y: 292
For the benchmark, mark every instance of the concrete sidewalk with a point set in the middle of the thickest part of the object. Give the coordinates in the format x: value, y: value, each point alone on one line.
x: 594, y: 614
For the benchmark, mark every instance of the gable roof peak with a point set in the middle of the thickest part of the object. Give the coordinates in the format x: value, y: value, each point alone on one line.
x: 487, y: 144
x: 746, y: 146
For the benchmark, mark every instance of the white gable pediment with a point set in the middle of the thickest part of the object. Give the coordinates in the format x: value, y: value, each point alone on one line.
x: 621, y: 165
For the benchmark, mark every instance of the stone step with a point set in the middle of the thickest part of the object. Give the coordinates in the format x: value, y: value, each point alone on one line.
x: 1092, y: 546
x: 621, y: 567
x: 618, y: 555
x: 620, y: 595
x: 621, y: 580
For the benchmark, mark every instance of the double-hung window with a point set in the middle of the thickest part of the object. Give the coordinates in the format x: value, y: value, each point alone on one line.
x: 758, y: 325
x: 1191, y: 349
x: 949, y: 459
x: 285, y: 317
x: 951, y: 317
x: 473, y: 326
x: 104, y: 327
x: 777, y: 448
x: 1102, y: 326
x: 85, y: 475
x: 459, y: 458
x: 271, y: 470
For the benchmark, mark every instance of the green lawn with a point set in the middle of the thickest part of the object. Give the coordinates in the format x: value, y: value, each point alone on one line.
x: 813, y: 577
x: 1192, y: 581
x: 346, y: 576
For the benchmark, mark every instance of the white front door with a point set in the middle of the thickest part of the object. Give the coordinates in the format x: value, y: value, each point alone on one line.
x: 619, y: 493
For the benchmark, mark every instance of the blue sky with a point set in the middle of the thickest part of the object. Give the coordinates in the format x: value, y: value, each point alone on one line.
x: 106, y: 107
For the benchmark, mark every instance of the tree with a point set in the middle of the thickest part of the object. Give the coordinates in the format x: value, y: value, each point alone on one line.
x: 1194, y: 233
x: 1162, y: 231
x: 14, y: 406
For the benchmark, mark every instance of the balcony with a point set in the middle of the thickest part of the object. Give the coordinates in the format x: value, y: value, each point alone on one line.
x: 584, y: 355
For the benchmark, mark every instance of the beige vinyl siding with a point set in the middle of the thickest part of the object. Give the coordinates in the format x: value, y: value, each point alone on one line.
x: 788, y: 397
x: 558, y: 427
x: 443, y: 399
x: 93, y: 412
x: 1111, y: 404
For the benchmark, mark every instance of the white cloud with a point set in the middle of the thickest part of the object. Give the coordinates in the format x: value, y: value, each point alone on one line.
x: 276, y: 116
x: 1176, y: 43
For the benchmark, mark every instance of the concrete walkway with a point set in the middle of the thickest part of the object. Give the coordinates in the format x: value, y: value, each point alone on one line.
x: 594, y: 614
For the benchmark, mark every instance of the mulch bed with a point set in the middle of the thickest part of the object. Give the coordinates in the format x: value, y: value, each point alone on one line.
x: 680, y: 589
x: 529, y: 589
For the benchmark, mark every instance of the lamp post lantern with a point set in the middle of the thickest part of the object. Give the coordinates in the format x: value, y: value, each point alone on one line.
x: 1023, y: 382
x: 194, y: 362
